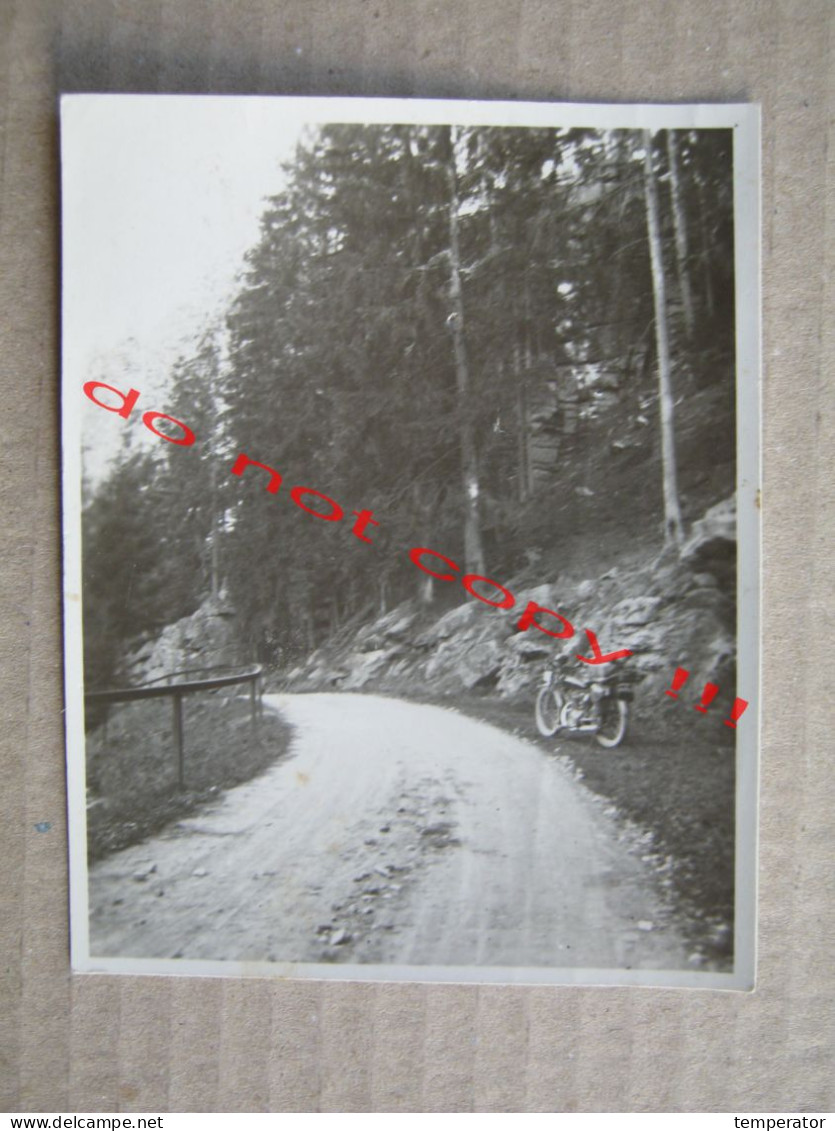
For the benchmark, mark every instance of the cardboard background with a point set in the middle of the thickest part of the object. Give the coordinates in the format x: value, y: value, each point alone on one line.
x: 102, y: 1043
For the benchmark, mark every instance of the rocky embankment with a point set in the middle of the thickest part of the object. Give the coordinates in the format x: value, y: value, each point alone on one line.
x: 670, y: 610
x: 205, y: 639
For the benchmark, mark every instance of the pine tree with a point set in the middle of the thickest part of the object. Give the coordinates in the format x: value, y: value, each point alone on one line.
x: 673, y: 531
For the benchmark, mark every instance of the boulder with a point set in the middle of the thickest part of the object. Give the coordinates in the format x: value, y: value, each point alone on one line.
x: 465, y: 663
x: 530, y: 646
x: 393, y: 625
x: 365, y: 666
x: 545, y: 595
x: 635, y: 611
x: 704, y: 581
x: 650, y: 638
x: 449, y: 625
x: 204, y: 639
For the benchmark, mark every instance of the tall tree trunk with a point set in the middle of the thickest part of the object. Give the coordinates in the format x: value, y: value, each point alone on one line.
x: 426, y: 589
x: 473, y: 548
x: 680, y: 226
x: 672, y: 512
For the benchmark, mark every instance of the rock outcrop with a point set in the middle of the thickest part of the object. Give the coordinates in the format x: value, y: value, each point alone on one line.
x: 711, y: 547
x: 204, y: 639
x: 673, y: 610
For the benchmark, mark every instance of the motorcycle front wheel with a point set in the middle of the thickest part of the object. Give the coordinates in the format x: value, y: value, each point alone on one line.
x: 549, y: 705
x: 614, y: 715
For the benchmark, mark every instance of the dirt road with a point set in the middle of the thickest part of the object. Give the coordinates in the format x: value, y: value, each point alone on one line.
x: 393, y: 833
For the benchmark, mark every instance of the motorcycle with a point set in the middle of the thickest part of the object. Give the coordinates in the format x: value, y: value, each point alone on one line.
x: 599, y: 706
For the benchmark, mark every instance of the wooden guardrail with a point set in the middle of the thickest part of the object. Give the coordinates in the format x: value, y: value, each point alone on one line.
x: 177, y: 691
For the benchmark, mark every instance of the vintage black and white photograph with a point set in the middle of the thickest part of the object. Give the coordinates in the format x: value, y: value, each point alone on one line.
x: 411, y: 538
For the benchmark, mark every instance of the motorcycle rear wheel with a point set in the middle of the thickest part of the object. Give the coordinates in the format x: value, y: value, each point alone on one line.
x: 549, y: 705
x: 614, y: 717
